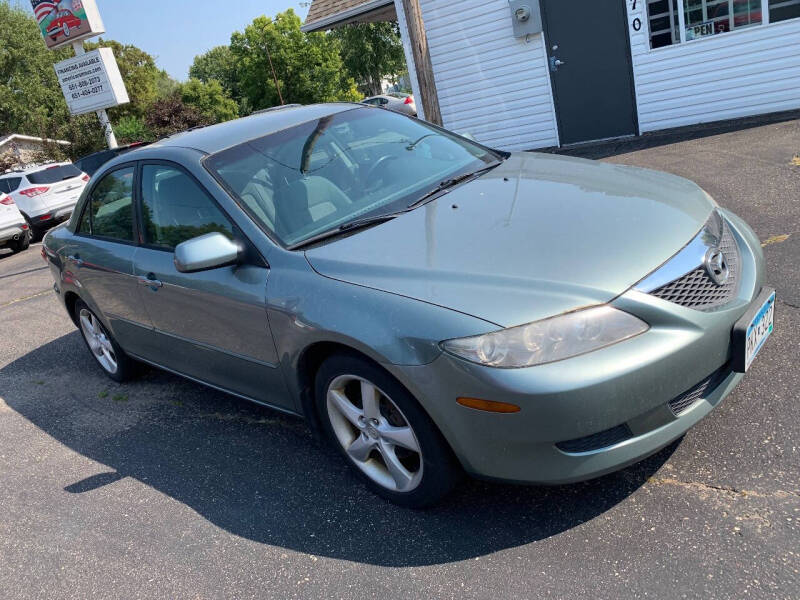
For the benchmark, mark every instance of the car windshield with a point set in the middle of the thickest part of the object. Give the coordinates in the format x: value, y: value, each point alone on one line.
x: 318, y: 176
x: 54, y: 174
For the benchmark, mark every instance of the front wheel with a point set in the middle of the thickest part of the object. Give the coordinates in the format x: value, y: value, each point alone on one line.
x: 113, y: 360
x: 65, y: 29
x: 383, y: 432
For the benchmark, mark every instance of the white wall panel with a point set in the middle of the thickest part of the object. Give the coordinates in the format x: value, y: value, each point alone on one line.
x: 490, y: 84
x: 746, y: 72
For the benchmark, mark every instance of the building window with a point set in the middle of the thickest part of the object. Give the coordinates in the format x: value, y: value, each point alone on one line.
x: 780, y: 10
x: 662, y: 16
x: 707, y: 18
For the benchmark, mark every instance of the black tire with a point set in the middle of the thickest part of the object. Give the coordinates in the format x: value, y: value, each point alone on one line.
x: 35, y: 233
x: 126, y: 367
x: 21, y: 244
x: 439, y: 469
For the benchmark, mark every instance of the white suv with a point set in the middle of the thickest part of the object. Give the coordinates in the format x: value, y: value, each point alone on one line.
x: 45, y: 194
x: 14, y: 231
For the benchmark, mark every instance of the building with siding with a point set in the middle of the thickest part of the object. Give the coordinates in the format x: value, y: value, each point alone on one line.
x: 526, y: 74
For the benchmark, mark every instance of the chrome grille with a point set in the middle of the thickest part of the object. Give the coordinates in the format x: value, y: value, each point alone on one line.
x: 686, y: 400
x: 696, y: 289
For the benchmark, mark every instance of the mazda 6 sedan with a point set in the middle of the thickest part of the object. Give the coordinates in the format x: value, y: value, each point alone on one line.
x: 430, y: 305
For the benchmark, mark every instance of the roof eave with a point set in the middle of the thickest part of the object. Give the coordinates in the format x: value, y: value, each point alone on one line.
x: 344, y: 16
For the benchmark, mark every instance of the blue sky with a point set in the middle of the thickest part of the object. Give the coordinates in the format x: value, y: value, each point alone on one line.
x: 175, y: 31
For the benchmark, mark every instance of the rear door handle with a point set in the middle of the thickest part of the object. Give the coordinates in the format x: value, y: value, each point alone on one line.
x: 150, y: 281
x: 76, y: 259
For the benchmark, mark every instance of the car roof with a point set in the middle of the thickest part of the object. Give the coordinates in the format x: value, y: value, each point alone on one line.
x: 33, y: 169
x: 214, y: 138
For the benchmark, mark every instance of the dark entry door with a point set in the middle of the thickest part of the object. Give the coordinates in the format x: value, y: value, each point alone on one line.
x: 590, y: 67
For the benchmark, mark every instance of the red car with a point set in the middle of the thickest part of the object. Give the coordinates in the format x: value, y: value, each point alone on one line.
x: 62, y: 24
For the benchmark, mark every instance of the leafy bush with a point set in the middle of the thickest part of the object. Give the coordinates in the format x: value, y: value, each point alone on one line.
x: 171, y: 115
x: 132, y: 129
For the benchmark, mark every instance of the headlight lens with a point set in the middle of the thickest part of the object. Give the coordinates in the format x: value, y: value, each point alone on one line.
x: 549, y: 340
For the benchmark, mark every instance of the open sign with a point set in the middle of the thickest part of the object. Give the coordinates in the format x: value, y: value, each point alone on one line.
x: 700, y: 30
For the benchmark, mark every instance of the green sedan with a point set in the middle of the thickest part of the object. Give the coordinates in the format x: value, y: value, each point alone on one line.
x: 431, y: 306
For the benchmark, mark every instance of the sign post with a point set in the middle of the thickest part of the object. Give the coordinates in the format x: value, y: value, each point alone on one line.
x: 91, y: 81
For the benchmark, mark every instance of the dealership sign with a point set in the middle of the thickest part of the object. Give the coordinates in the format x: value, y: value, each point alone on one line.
x: 91, y: 81
x: 66, y: 21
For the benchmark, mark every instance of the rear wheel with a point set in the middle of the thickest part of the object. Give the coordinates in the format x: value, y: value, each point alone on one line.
x: 35, y: 232
x: 384, y: 433
x: 111, y: 358
x: 22, y: 243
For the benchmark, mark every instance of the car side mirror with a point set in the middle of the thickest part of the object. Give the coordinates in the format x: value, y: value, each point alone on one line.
x: 209, y: 251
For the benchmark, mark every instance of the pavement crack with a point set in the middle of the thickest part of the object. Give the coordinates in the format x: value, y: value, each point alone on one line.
x: 789, y: 304
x: 720, y: 489
x: 23, y: 272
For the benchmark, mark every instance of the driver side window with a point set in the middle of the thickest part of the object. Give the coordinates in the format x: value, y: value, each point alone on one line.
x: 175, y: 208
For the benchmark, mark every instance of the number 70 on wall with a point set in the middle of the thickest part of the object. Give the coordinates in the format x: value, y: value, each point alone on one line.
x: 636, y: 24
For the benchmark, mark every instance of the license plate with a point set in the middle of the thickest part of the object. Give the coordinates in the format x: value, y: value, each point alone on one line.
x: 752, y: 330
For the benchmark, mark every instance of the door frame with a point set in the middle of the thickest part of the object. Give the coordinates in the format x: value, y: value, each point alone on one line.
x: 554, y: 93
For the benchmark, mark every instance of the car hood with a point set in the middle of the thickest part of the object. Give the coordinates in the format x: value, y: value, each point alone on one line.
x: 535, y: 237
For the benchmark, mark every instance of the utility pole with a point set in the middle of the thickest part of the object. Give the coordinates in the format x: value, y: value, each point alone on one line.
x: 422, y: 61
x: 102, y: 115
x: 274, y: 76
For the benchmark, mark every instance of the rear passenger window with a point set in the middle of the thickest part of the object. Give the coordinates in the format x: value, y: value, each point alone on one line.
x: 175, y: 208
x: 110, y: 208
x: 9, y: 184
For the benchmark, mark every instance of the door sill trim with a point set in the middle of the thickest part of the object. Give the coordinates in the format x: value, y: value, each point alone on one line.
x: 216, y: 387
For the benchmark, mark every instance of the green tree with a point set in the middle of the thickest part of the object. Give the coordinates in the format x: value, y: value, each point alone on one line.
x: 140, y: 74
x: 209, y: 99
x: 218, y: 64
x: 31, y: 101
x: 371, y: 52
x: 308, y: 65
x: 165, y: 84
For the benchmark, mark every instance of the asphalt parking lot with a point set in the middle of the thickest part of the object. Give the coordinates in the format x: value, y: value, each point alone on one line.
x: 163, y: 488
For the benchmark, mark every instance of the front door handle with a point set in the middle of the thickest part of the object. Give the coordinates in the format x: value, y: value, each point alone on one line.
x: 150, y: 281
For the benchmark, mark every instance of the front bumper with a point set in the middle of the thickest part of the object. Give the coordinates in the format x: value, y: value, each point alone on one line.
x: 626, y: 387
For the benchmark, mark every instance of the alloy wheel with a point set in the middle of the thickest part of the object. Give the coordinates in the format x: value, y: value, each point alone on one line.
x: 374, y: 433
x: 98, y: 340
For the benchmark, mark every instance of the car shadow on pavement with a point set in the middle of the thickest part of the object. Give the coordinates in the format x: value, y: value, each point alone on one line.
x: 260, y: 475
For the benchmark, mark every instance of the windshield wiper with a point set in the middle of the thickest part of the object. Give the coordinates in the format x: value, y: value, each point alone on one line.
x: 445, y: 185
x: 448, y: 184
x: 347, y: 227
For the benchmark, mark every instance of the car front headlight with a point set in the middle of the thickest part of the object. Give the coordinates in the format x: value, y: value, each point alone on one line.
x: 549, y: 340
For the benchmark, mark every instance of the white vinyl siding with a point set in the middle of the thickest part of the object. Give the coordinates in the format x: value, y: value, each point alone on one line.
x: 490, y: 84
x: 736, y: 74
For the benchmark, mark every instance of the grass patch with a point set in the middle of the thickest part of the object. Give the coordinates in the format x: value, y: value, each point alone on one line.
x: 120, y: 397
x: 103, y: 394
